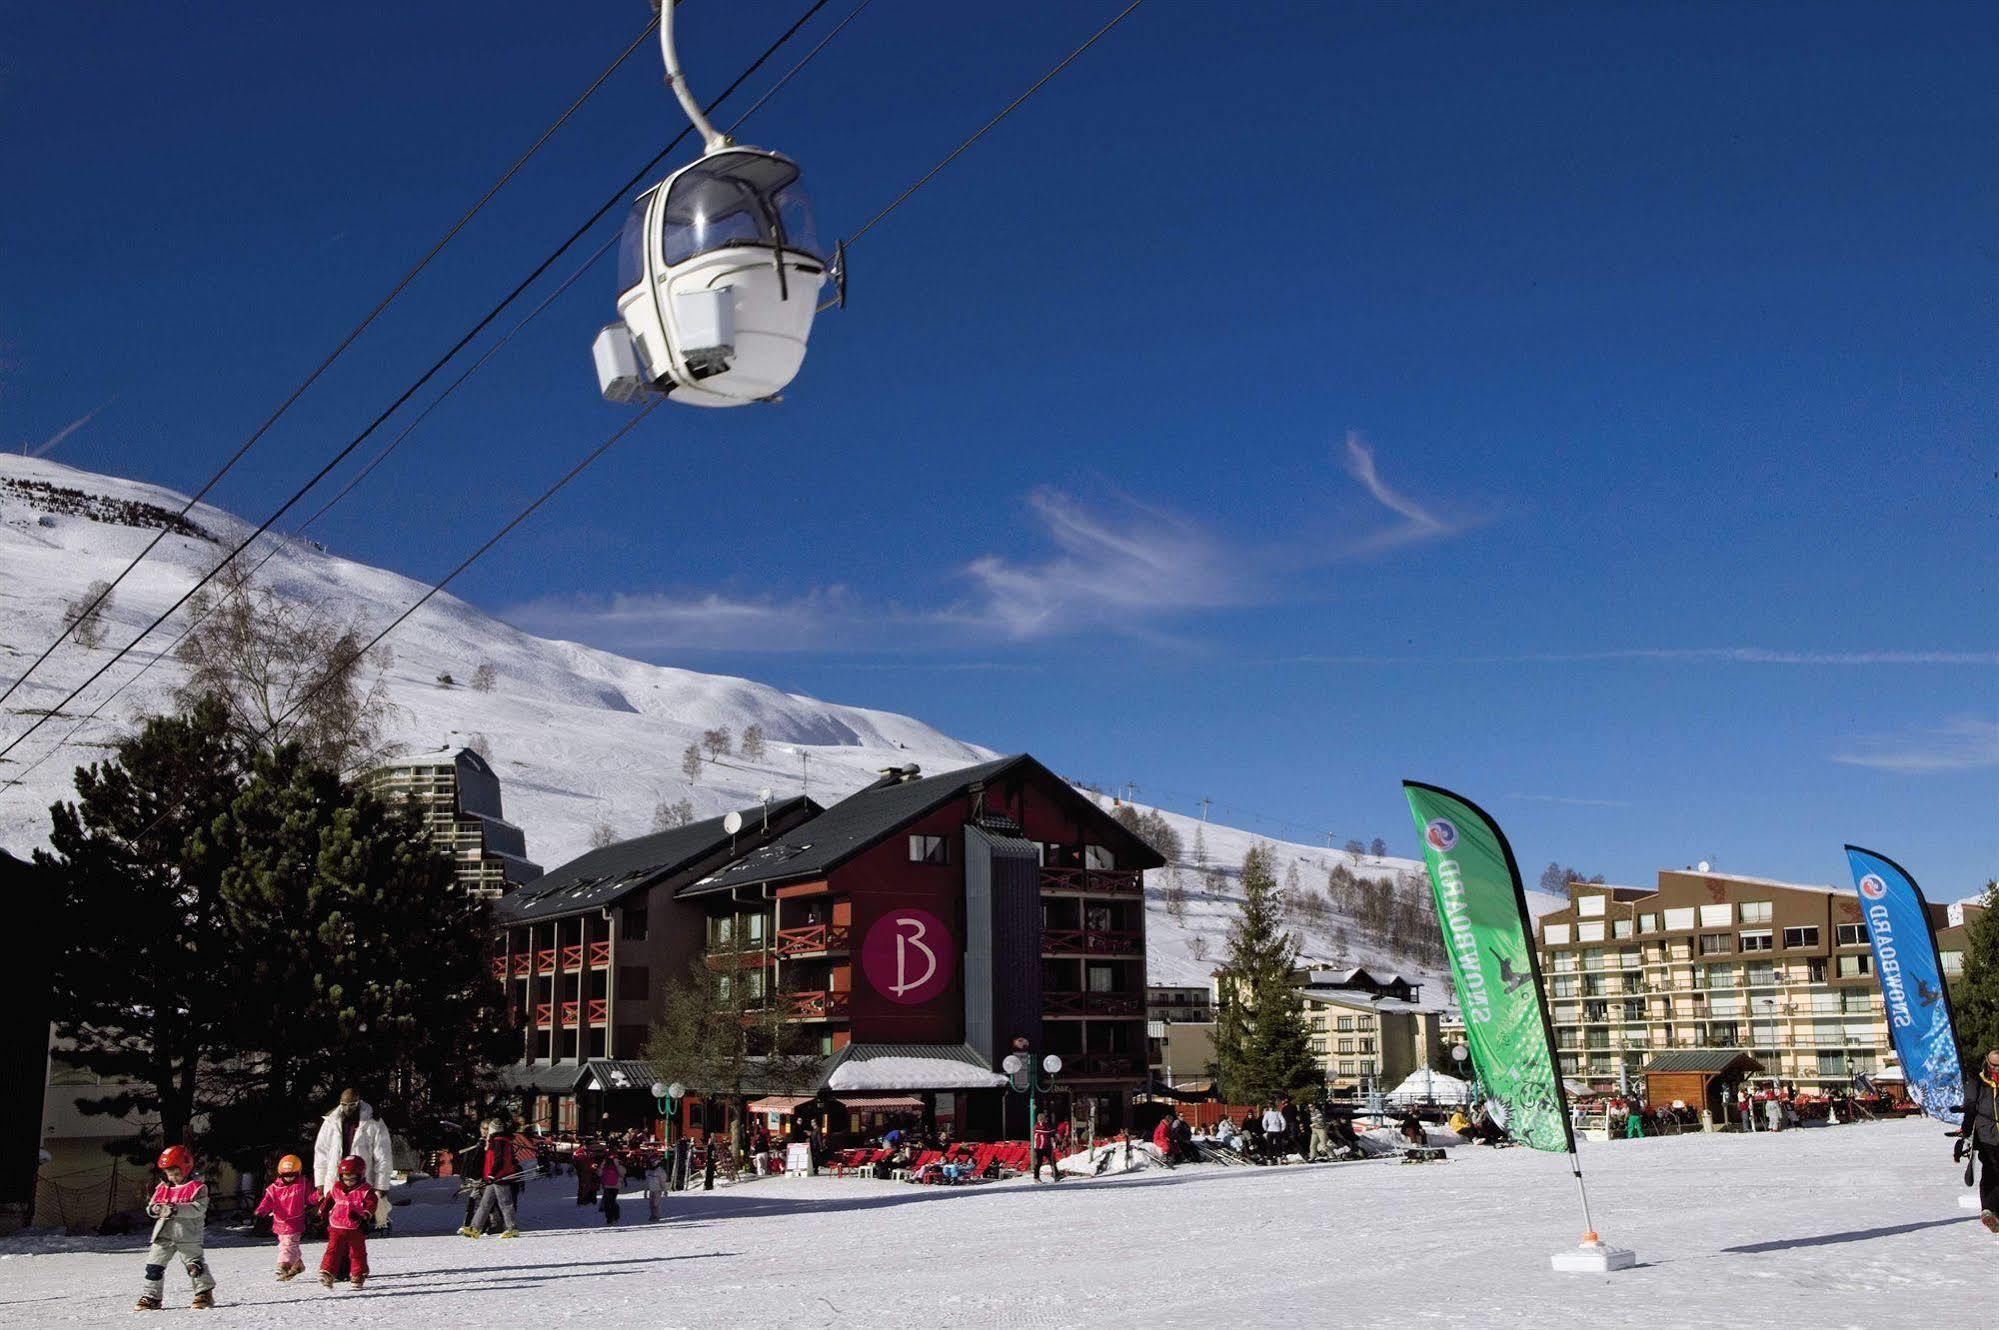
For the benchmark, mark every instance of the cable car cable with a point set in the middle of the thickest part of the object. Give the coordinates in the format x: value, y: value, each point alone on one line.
x: 470, y: 559
x: 339, y: 350
x: 1005, y: 111
x: 414, y: 388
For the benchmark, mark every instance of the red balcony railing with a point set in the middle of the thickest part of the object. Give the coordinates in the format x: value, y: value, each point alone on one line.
x: 1091, y: 1004
x: 597, y: 1011
x: 1097, y: 881
x: 499, y: 967
x: 600, y: 954
x: 811, y: 939
x: 544, y: 960
x: 572, y: 956
x: 816, y: 1006
x: 544, y: 1014
x: 523, y: 965
x: 1094, y: 941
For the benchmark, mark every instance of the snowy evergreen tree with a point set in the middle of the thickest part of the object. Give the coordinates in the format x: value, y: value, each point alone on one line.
x: 1975, y: 996
x: 1262, y: 1047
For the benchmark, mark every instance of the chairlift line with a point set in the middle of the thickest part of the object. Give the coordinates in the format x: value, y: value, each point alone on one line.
x: 352, y: 336
x: 411, y: 391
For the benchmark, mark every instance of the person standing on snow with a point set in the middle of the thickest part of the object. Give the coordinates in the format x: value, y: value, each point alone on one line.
x: 351, y: 1128
x: 350, y: 1206
x: 1044, y: 1148
x: 286, y: 1200
x: 179, y: 1209
x: 1980, y: 1135
x: 1276, y: 1132
x: 496, y: 1173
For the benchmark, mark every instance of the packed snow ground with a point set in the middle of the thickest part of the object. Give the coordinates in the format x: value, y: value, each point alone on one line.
x: 581, y: 738
x: 1848, y: 1226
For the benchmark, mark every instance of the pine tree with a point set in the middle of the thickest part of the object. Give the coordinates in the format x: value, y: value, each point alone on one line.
x: 144, y: 984
x: 1262, y: 1047
x: 1975, y: 996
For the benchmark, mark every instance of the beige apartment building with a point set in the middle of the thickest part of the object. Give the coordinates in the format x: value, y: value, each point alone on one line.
x: 460, y: 799
x: 1713, y: 961
x: 1367, y: 1031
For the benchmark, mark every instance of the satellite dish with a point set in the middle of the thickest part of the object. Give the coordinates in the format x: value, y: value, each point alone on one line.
x: 1703, y: 866
x: 732, y: 822
x: 763, y: 795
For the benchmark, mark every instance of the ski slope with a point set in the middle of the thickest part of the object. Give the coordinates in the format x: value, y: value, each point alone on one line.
x: 582, y: 739
x: 1843, y: 1226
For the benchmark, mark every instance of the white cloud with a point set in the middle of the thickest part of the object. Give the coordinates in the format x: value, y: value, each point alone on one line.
x: 1961, y: 743
x: 1418, y: 522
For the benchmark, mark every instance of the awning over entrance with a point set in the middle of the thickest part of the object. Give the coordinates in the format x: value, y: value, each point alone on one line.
x: 615, y: 1074
x: 880, y: 1103
x: 777, y: 1103
x: 909, y: 1067
x: 542, y: 1077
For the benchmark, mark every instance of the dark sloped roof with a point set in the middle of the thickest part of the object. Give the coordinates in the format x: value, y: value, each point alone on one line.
x: 866, y: 817
x: 1713, y: 1061
x: 604, y: 876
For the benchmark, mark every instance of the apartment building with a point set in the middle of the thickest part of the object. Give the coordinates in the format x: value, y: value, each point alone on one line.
x: 460, y: 799
x: 1780, y: 970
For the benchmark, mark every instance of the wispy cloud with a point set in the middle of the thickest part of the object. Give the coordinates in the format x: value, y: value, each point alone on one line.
x: 1670, y: 655
x: 48, y: 445
x: 1114, y: 566
x: 1571, y: 802
x: 1961, y: 743
x: 657, y: 622
x: 1418, y: 522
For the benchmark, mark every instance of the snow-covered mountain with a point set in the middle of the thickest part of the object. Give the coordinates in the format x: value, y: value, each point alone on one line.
x: 582, y: 739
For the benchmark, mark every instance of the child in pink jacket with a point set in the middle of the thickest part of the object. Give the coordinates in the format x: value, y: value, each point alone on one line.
x: 286, y: 1202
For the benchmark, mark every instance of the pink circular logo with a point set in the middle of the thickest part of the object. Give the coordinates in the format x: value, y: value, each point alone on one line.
x: 1872, y: 887
x: 908, y: 956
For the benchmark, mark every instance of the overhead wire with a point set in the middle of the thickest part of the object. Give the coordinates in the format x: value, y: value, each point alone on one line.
x: 283, y: 545
x: 340, y: 349
x: 485, y: 321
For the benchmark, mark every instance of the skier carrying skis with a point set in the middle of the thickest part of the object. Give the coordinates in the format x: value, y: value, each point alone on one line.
x: 286, y: 1202
x: 1980, y: 1135
x: 497, y: 1168
x: 350, y: 1212
x: 179, y: 1209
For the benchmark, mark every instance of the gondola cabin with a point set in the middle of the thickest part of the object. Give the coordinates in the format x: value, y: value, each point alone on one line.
x: 719, y: 273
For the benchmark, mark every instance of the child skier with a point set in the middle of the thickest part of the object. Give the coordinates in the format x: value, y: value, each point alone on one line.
x: 655, y: 1166
x: 610, y: 1179
x: 350, y: 1213
x: 179, y: 1209
x: 286, y: 1202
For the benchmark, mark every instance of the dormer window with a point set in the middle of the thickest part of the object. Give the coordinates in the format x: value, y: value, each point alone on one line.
x: 929, y: 850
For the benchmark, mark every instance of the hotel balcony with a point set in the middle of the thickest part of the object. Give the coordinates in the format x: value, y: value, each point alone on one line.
x: 812, y: 940
x: 1093, y: 881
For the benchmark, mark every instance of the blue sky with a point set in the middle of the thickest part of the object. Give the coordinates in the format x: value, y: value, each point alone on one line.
x: 1589, y: 407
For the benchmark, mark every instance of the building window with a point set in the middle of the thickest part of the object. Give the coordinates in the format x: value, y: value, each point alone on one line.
x: 1346, y: 1068
x: 1953, y: 962
x: 1716, y: 916
x: 1620, y: 928
x: 1756, y: 941
x: 721, y: 932
x: 1589, y: 907
x: 1856, y: 1001
x: 1318, y: 1025
x: 1801, y: 937
x: 632, y: 927
x: 1101, y: 978
x: 1680, y: 921
x: 1367, y: 1066
x: 1755, y: 912
x: 929, y: 850
x: 1365, y: 1023
x: 1850, y: 935
x: 1858, y: 963
x: 1555, y: 935
x: 1648, y: 923
x: 1099, y: 857
x: 1714, y: 944
x: 1591, y: 932
x: 1346, y: 1046
x: 1345, y: 1025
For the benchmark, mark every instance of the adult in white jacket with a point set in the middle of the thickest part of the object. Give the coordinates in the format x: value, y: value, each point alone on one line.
x: 351, y: 1128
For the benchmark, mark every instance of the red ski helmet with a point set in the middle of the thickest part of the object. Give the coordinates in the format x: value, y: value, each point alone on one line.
x: 176, y: 1156
x: 356, y: 1165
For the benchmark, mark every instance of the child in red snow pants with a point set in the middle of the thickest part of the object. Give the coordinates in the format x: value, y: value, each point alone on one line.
x: 351, y: 1243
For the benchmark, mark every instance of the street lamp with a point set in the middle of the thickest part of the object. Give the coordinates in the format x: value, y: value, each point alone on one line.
x: 667, y: 1098
x: 1021, y: 1078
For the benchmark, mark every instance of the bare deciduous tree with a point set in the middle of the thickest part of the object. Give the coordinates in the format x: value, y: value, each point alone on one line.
x: 603, y: 834
x: 484, y: 678
x: 84, y: 616
x: 716, y: 741
x: 286, y: 672
x: 666, y: 816
x: 753, y: 743
x: 690, y: 761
